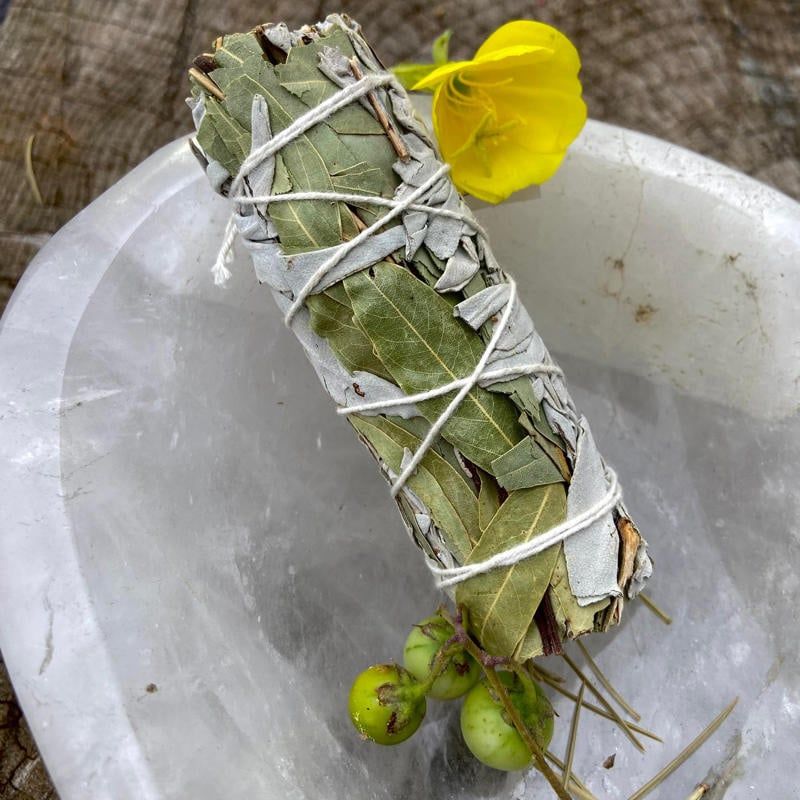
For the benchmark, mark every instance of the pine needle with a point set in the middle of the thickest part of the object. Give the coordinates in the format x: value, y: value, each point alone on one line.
x: 606, y: 683
x: 591, y: 707
x: 29, y: 172
x: 699, y: 792
x: 577, y: 787
x: 662, y: 615
x: 573, y: 735
x: 624, y: 726
x: 552, y: 675
x: 686, y: 753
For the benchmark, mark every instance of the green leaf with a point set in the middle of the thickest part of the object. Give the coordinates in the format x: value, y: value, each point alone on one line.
x: 418, y: 426
x: 502, y: 602
x: 524, y: 466
x: 573, y: 618
x: 409, y: 74
x: 223, y: 136
x: 334, y: 322
x: 300, y: 76
x: 423, y: 346
x: 440, y: 48
x: 531, y: 645
x: 488, y: 500
x: 445, y: 491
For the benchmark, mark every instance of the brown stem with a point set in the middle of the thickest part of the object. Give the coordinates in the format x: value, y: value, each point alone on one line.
x: 204, y: 82
x: 517, y: 721
x: 380, y: 112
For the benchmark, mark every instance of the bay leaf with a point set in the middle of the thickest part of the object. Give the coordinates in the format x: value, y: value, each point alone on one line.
x: 574, y: 618
x: 423, y: 346
x: 524, y: 466
x: 301, y: 76
x: 333, y: 321
x: 531, y: 645
x: 488, y: 500
x: 452, y: 503
x: 223, y: 137
x: 502, y: 602
x: 418, y: 426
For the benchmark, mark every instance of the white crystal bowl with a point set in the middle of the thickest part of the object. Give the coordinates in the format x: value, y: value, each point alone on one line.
x: 196, y: 556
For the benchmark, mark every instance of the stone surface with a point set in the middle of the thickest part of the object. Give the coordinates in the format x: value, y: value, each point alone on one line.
x: 192, y: 608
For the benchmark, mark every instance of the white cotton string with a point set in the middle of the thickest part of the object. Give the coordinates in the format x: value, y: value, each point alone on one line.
x: 343, y: 249
x: 374, y: 200
x: 220, y: 269
x: 308, y: 120
x: 491, y: 374
x: 450, y: 576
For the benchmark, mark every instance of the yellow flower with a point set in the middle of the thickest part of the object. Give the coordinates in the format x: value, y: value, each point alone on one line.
x: 505, y: 118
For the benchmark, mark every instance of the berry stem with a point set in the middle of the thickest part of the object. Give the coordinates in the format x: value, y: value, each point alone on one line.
x: 490, y: 664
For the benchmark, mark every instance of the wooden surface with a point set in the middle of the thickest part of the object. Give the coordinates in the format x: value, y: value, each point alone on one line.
x: 99, y: 85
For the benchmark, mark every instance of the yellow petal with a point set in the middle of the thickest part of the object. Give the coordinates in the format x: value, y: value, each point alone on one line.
x: 524, y: 153
x: 532, y: 33
x: 440, y: 75
x: 521, y: 53
x: 456, y: 119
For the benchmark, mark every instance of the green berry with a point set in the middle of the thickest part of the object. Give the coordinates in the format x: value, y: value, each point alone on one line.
x: 491, y: 736
x: 420, y: 651
x: 386, y: 704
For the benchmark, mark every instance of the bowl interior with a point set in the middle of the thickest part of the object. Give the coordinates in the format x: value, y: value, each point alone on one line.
x: 243, y: 558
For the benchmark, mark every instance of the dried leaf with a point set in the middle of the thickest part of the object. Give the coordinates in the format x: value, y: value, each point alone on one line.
x: 334, y: 321
x: 423, y: 346
x: 524, y: 466
x: 502, y: 602
x: 452, y: 503
x: 574, y: 618
x: 488, y: 500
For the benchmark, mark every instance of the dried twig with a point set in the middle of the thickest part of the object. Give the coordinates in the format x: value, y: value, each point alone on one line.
x: 29, y: 173
x: 590, y: 706
x: 204, y: 82
x: 380, y: 112
x: 576, y: 786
